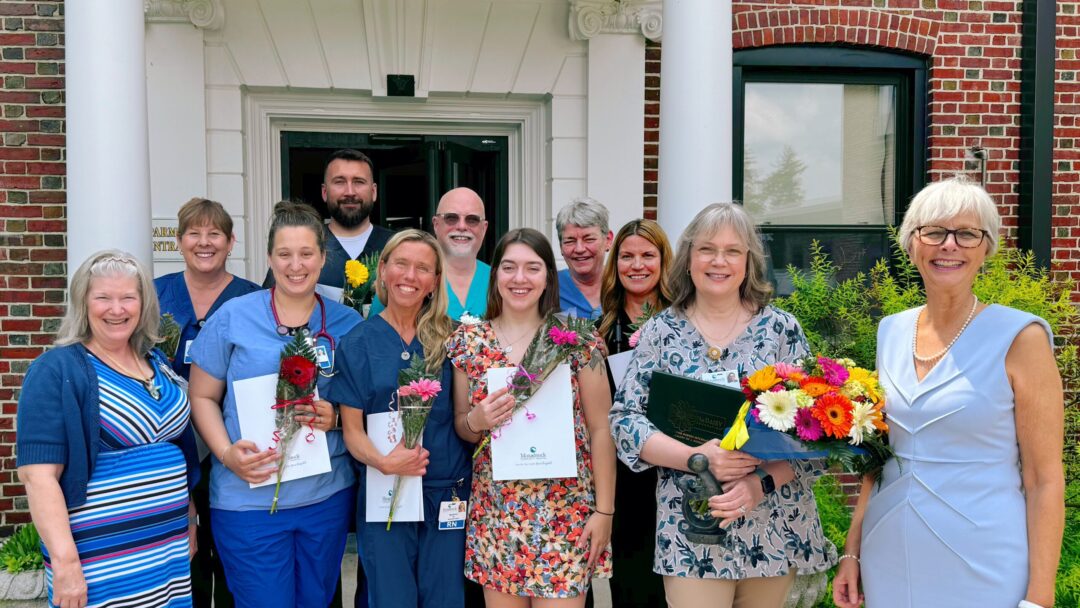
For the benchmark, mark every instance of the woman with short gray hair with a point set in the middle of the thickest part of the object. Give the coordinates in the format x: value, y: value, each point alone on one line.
x: 105, y: 447
x: 721, y: 324
x: 584, y: 238
x: 972, y: 505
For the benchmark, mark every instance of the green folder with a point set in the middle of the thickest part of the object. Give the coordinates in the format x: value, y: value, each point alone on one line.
x: 691, y: 410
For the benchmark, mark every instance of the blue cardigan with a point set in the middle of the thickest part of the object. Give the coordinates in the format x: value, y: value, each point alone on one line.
x: 58, y: 421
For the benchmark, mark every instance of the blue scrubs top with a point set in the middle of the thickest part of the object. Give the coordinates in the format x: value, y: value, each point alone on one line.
x: 369, y: 360
x: 241, y: 341
x: 572, y: 301
x: 172, y: 293
x: 475, y: 301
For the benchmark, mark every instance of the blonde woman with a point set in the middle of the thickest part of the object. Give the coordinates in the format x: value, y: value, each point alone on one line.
x: 414, y: 564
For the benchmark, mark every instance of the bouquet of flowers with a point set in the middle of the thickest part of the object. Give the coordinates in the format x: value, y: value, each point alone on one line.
x: 647, y: 312
x: 829, y: 405
x: 360, y: 277
x: 297, y: 376
x: 169, y: 330
x: 557, y: 339
x: 416, y: 393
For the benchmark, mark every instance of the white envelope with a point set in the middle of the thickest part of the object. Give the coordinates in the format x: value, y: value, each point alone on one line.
x: 254, y: 398
x: 618, y: 364
x: 541, y: 448
x: 379, y: 489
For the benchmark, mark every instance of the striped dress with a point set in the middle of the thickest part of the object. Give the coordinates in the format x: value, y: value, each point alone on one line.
x: 132, y: 533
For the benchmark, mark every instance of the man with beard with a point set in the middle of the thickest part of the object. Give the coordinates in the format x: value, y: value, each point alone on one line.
x: 350, y: 192
x: 460, y: 226
x: 584, y: 238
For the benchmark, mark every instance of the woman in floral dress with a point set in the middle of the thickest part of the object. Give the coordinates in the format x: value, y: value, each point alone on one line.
x: 538, y: 538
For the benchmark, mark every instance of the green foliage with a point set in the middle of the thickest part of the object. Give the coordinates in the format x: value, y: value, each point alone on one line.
x: 835, y: 519
x: 1067, y: 592
x: 22, y: 551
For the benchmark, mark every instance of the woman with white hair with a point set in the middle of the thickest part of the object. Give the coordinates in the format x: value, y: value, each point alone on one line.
x: 971, y: 510
x: 106, y: 450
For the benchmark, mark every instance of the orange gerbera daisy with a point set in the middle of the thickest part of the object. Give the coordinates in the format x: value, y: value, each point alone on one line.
x: 879, y: 418
x: 833, y: 411
x: 815, y: 386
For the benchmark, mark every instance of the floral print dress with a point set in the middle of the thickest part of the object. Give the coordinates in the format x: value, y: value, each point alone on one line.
x: 783, y: 531
x: 521, y: 535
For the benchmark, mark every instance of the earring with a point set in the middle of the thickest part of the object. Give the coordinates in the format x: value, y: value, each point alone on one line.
x: 431, y: 294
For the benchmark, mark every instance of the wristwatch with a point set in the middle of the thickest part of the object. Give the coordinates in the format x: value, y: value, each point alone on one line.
x: 768, y: 486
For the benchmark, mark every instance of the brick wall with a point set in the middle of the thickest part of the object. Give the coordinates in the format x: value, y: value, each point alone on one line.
x: 1066, y: 220
x: 32, y: 242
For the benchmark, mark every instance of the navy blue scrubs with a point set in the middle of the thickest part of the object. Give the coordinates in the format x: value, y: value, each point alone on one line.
x: 414, y: 564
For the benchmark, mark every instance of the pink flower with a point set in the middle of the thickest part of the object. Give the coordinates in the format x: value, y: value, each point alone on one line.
x: 806, y: 426
x: 562, y: 337
x: 784, y: 370
x: 427, y: 389
x: 634, y: 337
x: 755, y: 415
x: 406, y: 391
x: 835, y: 374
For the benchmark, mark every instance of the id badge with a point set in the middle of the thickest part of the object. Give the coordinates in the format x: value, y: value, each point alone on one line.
x: 724, y: 377
x: 187, y: 352
x: 322, y: 358
x: 452, y: 514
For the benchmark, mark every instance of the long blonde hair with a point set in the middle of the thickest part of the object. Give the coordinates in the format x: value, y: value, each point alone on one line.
x: 433, y: 326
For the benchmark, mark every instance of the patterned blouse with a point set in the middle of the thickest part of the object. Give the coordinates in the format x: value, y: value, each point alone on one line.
x: 784, y: 530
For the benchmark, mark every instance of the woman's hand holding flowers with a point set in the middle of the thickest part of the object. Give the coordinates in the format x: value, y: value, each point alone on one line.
x: 405, y: 462
x: 493, y: 411
x: 245, y: 460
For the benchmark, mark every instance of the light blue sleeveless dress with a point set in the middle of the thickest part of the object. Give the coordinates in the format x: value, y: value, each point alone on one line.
x: 947, y: 525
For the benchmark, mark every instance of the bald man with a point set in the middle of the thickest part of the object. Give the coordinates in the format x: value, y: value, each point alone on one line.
x: 460, y: 226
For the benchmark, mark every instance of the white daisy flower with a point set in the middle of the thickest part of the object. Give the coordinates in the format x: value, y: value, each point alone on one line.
x: 777, y: 410
x: 861, y: 421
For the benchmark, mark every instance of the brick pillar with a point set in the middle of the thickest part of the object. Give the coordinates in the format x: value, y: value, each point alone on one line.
x: 32, y: 210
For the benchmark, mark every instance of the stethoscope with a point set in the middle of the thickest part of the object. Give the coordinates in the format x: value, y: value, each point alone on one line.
x: 283, y: 330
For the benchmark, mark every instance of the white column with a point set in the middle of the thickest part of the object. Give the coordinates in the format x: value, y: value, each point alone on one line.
x: 616, y: 131
x: 108, y: 176
x: 695, y: 110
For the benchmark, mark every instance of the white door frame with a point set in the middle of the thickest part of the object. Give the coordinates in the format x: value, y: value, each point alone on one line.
x: 524, y: 122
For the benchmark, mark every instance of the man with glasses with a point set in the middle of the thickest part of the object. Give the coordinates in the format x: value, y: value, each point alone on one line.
x: 350, y: 192
x: 460, y: 226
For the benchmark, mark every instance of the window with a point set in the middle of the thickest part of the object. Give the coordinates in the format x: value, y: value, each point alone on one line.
x: 829, y: 145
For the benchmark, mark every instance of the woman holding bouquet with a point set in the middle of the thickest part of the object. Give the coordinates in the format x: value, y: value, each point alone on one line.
x: 205, y: 238
x: 407, y: 564
x: 971, y: 509
x: 536, y: 542
x: 105, y: 448
x: 720, y: 322
x: 635, y: 284
x: 291, y: 557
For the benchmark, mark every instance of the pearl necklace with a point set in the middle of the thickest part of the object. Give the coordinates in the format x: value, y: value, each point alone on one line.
x: 941, y: 353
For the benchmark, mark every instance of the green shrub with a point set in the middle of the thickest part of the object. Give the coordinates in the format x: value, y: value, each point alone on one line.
x: 835, y: 520
x: 22, y: 551
x: 1067, y: 592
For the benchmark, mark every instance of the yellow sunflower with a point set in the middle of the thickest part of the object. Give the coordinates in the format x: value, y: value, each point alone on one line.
x: 356, y: 273
x: 763, y: 379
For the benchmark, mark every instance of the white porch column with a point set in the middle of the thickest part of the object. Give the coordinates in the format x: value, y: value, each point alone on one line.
x: 616, y: 32
x: 695, y: 110
x: 108, y: 176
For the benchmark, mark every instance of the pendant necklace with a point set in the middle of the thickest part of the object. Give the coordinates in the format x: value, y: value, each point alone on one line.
x: 509, y: 348
x: 405, y: 354
x: 147, y: 383
x: 714, y: 352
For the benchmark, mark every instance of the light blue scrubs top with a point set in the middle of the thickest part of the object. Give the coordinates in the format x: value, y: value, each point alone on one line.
x: 241, y: 341
x: 572, y: 301
x: 475, y: 301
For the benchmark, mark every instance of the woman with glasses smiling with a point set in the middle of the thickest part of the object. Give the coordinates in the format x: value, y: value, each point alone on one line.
x: 972, y: 506
x: 721, y: 323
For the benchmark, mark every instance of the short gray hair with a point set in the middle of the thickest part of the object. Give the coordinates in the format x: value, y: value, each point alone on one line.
x: 584, y: 212
x: 946, y: 199
x: 755, y: 291
x: 110, y: 263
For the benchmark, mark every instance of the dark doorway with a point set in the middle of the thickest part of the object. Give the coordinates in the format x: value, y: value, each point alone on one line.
x: 411, y: 171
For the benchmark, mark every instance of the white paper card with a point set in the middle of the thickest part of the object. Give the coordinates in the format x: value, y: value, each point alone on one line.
x: 254, y: 398
x: 541, y: 448
x: 618, y: 364
x: 334, y: 294
x: 452, y: 514
x: 380, y: 488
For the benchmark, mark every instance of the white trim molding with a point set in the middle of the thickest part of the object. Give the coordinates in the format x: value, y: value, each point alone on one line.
x: 267, y: 113
x: 203, y: 14
x: 591, y: 17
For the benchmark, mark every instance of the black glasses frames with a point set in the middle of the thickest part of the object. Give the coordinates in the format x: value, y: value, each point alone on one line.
x: 963, y: 237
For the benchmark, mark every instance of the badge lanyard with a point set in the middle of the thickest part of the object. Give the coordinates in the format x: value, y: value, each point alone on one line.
x: 283, y: 330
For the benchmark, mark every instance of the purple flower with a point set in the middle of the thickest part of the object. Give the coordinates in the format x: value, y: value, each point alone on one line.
x: 562, y: 337
x: 835, y: 374
x: 806, y: 426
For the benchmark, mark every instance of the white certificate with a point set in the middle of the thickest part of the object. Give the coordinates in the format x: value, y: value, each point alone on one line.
x: 618, y: 364
x: 543, y: 447
x: 384, y: 430
x: 334, y: 294
x: 254, y: 399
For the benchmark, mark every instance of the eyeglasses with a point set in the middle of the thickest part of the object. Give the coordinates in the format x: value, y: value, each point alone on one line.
x: 471, y: 220
x: 964, y: 237
x: 708, y: 253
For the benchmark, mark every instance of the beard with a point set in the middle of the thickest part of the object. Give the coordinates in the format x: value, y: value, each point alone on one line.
x: 347, y: 218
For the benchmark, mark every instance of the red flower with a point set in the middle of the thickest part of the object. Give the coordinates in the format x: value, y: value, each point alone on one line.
x: 298, y: 370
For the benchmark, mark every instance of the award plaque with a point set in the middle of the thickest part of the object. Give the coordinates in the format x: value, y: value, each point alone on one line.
x: 691, y: 410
